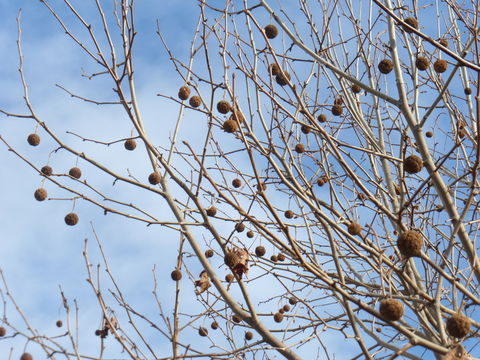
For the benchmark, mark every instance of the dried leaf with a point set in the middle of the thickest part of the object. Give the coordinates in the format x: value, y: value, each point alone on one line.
x: 240, y: 266
x: 203, y: 283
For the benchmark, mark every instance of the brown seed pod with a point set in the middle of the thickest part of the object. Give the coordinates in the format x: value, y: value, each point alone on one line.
x: 338, y: 100
x: 440, y: 66
x: 230, y: 259
x: 75, y: 172
x: 262, y: 186
x: 195, y: 101
x: 71, y: 219
x: 467, y: 91
x: 289, y: 214
x: 26, y: 356
x: 240, y: 227
x: 300, y: 148
x: 278, y: 317
x: 281, y: 311
x: 337, y: 110
x: 229, y: 278
x: 286, y: 307
x: 176, y: 275
x: 184, y: 92
x: 209, y: 253
x: 410, y: 243
x: 154, y: 178
x: 211, y: 211
x: 458, y: 326
x: 271, y: 31
x: 274, y: 69
x: 413, y: 164
x: 385, y: 66
x: 3, y: 331
x: 33, y: 139
x: 422, y: 63
x: 223, y: 107
x: 273, y: 258
x: 282, y: 79
x: 98, y: 332
x: 40, y: 194
x: 354, y: 228
x: 428, y: 134
x: 237, y: 116
x: 305, y: 129
x: 214, y: 325
x: 281, y: 257
x: 248, y: 335
x: 322, y: 118
x: 230, y: 126
x: 260, y: 251
x: 461, y: 133
x: 236, y: 319
x: 202, y: 331
x: 356, y: 89
x: 413, y: 22
x: 293, y: 300
x: 130, y: 144
x: 236, y: 183
x: 250, y: 234
x: 59, y: 323
x: 46, y: 170
x: 443, y: 42
x: 391, y: 309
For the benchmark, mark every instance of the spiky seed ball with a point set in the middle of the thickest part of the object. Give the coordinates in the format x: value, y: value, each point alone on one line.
x: 236, y: 319
x: 71, y: 219
x: 281, y: 311
x: 26, y: 356
x: 271, y: 31
x: 338, y: 100
x: 337, y: 110
x: 75, y: 172
x: 413, y: 164
x: 354, y: 228
x: 250, y: 234
x: 260, y: 251
x: 300, y: 148
x: 274, y: 258
x: 3, y: 331
x: 223, y: 107
x: 305, y: 129
x: 46, y: 170
x: 214, y: 325
x: 237, y: 116
x: 236, y: 183
x: 428, y: 134
x: 195, y: 101
x: 211, y: 211
x: 458, y: 326
x: 289, y: 214
x: 40, y: 194
x: 130, y: 144
x: 282, y: 79
x: 262, y: 186
x: 440, y: 66
x: 385, y: 66
x: 230, y: 259
x: 184, y: 92
x: 33, y: 139
x: 202, y: 331
x: 274, y: 69
x: 413, y: 22
x: 322, y: 118
x: 422, y: 63
x: 281, y: 257
x: 467, y: 91
x: 98, y: 332
x: 286, y: 307
x: 278, y: 317
x: 356, y: 89
x: 230, y: 126
x: 176, y: 275
x: 240, y: 227
x: 59, y: 323
x: 293, y: 300
x: 443, y: 42
x: 209, y: 253
x: 154, y: 178
x: 229, y: 278
x: 248, y: 335
x: 410, y: 243
x: 391, y: 309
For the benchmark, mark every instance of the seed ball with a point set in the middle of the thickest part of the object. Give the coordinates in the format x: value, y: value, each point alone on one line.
x: 440, y: 66
x: 223, y: 107
x: 337, y: 110
x: 286, y: 307
x: 202, y: 331
x: 293, y: 300
x: 75, y: 172
x: 209, y: 253
x: 458, y: 326
x: 262, y: 186
x: 354, y: 228
x: 239, y: 227
x: 248, y: 335
x: 46, y: 170
x: 154, y: 178
x: 260, y: 251
x: 428, y: 134
x: 98, y: 332
x: 230, y: 126
x: 322, y: 118
x: 278, y: 317
x: 391, y: 309
x: 274, y: 69
x: 413, y: 164
x: 281, y: 257
x: 40, y: 194
x: 236, y: 319
x: 271, y: 31
x: 195, y: 101
x: 461, y: 133
x: 289, y: 214
x: 305, y: 129
x: 300, y: 148
x: 250, y: 234
x: 3, y: 331
x: 214, y: 325
x: 443, y: 42
x: 229, y: 278
x: 71, y: 219
x: 410, y: 243
x: 130, y: 144
x: 273, y: 258
x: 237, y: 116
x: 230, y: 259
x: 59, y: 323
x: 467, y: 91
x: 176, y: 275
x: 236, y: 183
x: 282, y: 79
x: 385, y: 66
x: 338, y: 100
x: 33, y: 139
x: 422, y: 63
x: 356, y: 89
x: 211, y: 211
x: 413, y: 22
x: 26, y: 356
x: 281, y: 311
x: 184, y: 92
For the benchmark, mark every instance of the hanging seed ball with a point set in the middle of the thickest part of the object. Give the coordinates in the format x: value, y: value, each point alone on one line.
x: 237, y: 116
x: 40, y: 194
x: 273, y: 258
x: 195, y: 101
x: 230, y: 126
x: 59, y: 323
x: 262, y: 187
x: 33, y: 139
x: 98, y: 332
x: 385, y: 66
x: 130, y: 144
x: 293, y: 300
x: 413, y: 22
x: 75, y: 172
x: 209, y: 253
x: 214, y: 325
x: 305, y: 129
x: 461, y: 133
x: 154, y: 178
x: 443, y: 42
x: 354, y: 228
x: 71, y: 219
x: 278, y: 317
x: 467, y: 91
x: 260, y: 251
x: 282, y: 79
x: 422, y: 63
x: 286, y: 307
x: 356, y: 89
x: 274, y: 69
x: 239, y: 227
x: 337, y: 110
x: 289, y: 214
x: 413, y: 164
x: 391, y: 309
x: 184, y: 92
x: 458, y: 326
x: 229, y: 278
x: 281, y: 311
x: 236, y: 319
x: 248, y: 335
x: 26, y: 356
x: 271, y: 31
x: 202, y: 331
x: 410, y: 243
x: 223, y: 107
x: 230, y: 259
x: 176, y: 275
x: 322, y: 118
x: 236, y: 183
x: 3, y: 331
x: 428, y: 134
x: 338, y: 100
x: 440, y: 66
x: 250, y: 234
x: 212, y: 211
x: 300, y: 148
x: 281, y: 257
x: 46, y: 170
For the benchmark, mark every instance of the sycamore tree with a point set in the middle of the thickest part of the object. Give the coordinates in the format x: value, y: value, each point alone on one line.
x: 315, y: 177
